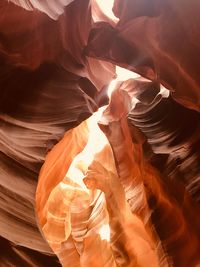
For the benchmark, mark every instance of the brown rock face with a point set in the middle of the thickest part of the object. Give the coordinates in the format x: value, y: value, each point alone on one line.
x: 99, y: 133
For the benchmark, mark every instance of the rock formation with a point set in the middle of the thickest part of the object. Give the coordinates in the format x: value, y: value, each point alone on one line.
x: 99, y: 133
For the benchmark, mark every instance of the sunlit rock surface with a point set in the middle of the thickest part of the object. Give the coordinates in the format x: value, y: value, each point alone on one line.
x: 122, y: 187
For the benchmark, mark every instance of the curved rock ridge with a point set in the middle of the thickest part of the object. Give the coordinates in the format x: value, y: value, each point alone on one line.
x: 41, y: 98
x: 14, y: 255
x: 153, y: 38
x: 172, y: 130
x: 59, y: 63
x: 161, y: 193
x: 52, y: 8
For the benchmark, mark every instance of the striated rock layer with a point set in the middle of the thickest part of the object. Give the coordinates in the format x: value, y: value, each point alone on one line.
x: 122, y: 187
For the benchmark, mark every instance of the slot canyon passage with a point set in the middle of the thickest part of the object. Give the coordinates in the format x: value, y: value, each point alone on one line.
x: 99, y: 133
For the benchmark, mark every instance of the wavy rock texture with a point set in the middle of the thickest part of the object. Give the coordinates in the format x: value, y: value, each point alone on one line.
x: 134, y: 200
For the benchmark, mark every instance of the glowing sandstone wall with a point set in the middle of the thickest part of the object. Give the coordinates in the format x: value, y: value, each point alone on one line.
x: 57, y: 59
x: 96, y: 226
x: 72, y: 218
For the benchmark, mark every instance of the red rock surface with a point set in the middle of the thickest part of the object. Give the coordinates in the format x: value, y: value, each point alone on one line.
x: 57, y: 61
